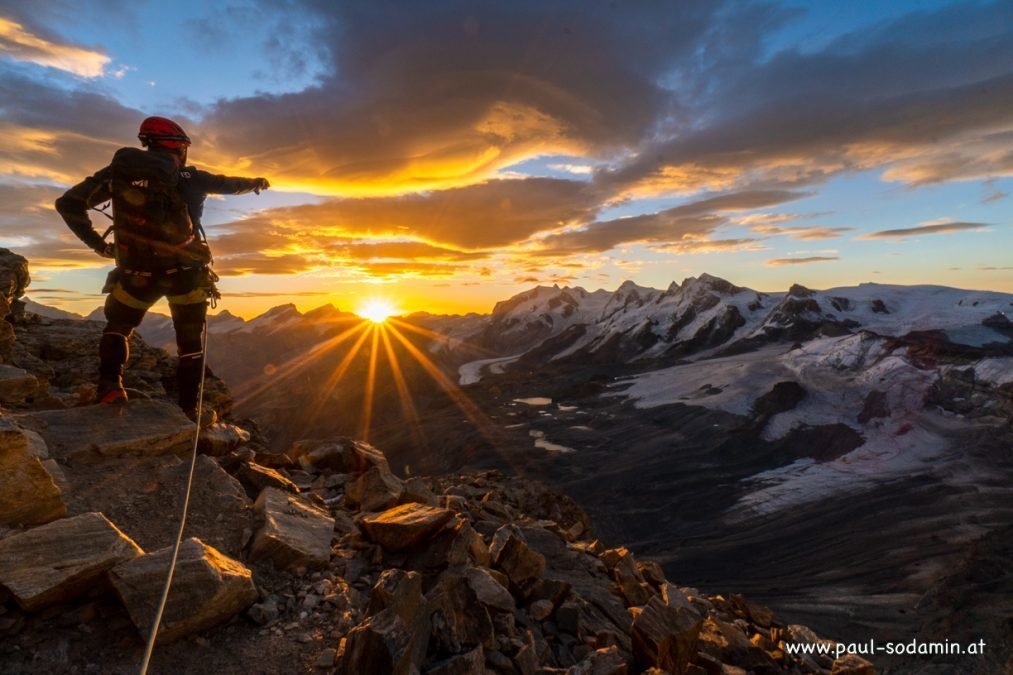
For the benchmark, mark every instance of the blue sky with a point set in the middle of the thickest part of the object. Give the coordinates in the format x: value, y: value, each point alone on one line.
x: 449, y: 154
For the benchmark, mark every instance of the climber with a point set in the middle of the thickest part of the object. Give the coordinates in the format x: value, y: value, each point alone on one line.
x: 159, y: 247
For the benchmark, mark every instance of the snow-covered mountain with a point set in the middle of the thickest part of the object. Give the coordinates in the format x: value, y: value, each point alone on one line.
x: 707, y: 315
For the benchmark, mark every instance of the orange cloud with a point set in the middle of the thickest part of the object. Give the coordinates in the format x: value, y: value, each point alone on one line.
x: 779, y: 262
x: 442, y: 225
x: 20, y: 44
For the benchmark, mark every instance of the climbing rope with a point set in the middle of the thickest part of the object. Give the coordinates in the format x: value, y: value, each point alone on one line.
x: 186, y: 505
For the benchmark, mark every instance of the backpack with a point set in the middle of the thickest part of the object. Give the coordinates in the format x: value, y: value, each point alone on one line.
x: 150, y: 215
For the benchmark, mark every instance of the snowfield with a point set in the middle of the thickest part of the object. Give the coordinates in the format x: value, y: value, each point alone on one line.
x: 838, y: 375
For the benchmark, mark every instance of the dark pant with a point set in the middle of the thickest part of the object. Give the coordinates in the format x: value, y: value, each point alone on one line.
x: 131, y: 297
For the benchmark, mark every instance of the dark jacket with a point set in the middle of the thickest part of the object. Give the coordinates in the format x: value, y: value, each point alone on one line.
x: 194, y: 187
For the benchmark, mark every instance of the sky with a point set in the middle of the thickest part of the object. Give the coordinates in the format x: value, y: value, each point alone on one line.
x: 443, y: 156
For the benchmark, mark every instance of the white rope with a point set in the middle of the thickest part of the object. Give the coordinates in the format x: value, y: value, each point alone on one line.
x: 182, y: 519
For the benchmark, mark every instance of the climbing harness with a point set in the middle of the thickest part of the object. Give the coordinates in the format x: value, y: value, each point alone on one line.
x: 149, y: 648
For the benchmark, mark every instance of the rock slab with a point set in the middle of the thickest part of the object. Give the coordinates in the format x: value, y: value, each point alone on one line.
x: 293, y: 532
x: 137, y: 428
x: 58, y: 561
x: 28, y: 494
x: 207, y: 589
x: 374, y: 490
x: 404, y: 526
x: 255, y: 478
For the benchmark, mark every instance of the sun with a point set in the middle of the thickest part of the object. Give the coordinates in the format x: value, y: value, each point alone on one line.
x: 377, y: 310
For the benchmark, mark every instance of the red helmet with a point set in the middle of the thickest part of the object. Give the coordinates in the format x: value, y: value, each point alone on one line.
x: 163, y: 131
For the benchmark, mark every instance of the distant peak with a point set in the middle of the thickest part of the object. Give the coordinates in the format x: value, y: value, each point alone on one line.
x: 287, y: 308
x: 627, y: 286
x: 711, y: 283
x: 323, y: 310
x: 800, y: 291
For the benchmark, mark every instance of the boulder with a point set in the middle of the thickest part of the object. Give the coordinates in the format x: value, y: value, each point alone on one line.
x: 456, y: 544
x: 417, y: 490
x: 342, y: 455
x: 631, y: 582
x: 404, y: 526
x: 374, y: 490
x: 398, y: 590
x: 255, y: 478
x: 510, y: 553
x: 380, y: 644
x: 665, y: 636
x: 16, y: 384
x: 56, y: 562
x: 208, y: 588
x: 728, y: 643
x: 401, y: 592
x: 459, y: 621
x: 145, y: 427
x: 14, y: 278
x: 221, y: 437
x: 28, y: 494
x: 673, y: 596
x: 652, y: 572
x: 754, y: 612
x: 489, y: 591
x: 294, y: 531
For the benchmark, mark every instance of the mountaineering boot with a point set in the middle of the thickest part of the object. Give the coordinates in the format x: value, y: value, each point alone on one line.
x: 188, y: 378
x: 111, y: 392
x: 113, y: 352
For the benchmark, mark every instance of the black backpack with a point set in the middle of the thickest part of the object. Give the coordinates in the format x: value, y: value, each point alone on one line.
x: 150, y: 216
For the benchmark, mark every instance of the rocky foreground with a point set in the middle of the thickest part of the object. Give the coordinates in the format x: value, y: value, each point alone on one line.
x: 318, y: 559
x: 328, y: 562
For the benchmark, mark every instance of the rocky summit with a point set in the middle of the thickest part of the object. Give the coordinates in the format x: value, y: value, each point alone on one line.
x: 317, y: 559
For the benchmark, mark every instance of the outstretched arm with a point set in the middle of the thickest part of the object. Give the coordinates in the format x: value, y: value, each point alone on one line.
x: 218, y: 184
x: 74, y: 204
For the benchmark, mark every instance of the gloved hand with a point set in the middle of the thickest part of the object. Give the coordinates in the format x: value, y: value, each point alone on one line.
x: 106, y: 249
x: 260, y: 184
